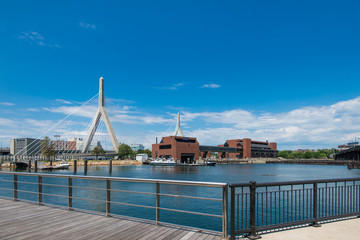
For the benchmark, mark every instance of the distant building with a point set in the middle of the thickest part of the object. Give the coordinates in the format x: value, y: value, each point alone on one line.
x: 348, y: 145
x: 61, y: 145
x: 182, y: 149
x: 5, y: 151
x: 135, y: 147
x: 79, y: 144
x: 186, y: 149
x: 25, y: 146
x: 247, y: 148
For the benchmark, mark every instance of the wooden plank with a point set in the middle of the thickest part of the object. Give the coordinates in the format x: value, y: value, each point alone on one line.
x: 20, y: 221
x: 156, y: 230
x: 178, y: 235
x: 124, y: 227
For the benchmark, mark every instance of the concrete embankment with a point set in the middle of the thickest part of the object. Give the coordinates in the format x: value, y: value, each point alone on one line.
x: 282, y: 161
x: 310, y: 161
x: 81, y: 163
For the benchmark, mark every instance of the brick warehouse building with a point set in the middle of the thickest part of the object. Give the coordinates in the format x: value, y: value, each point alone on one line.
x: 188, y: 149
x: 250, y: 149
x: 180, y: 148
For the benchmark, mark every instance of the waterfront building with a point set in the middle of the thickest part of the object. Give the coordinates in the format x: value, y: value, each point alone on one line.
x: 186, y: 149
x: 349, y: 145
x: 180, y: 148
x: 135, y: 147
x: 4, y: 151
x: 61, y: 145
x: 249, y: 149
x: 25, y: 146
x: 79, y: 144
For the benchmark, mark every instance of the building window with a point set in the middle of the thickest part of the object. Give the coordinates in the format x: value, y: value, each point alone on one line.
x: 186, y: 140
x: 165, y: 146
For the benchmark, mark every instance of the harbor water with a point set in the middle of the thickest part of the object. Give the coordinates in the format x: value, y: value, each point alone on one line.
x: 242, y: 173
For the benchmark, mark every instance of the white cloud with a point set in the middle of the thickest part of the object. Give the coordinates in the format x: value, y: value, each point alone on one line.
x: 63, y: 101
x: 33, y: 110
x: 36, y: 38
x: 127, y: 108
x: 87, y: 25
x: 7, y: 104
x: 310, y: 127
x: 147, y: 119
x: 7, y: 122
x: 211, y: 85
x: 175, y: 86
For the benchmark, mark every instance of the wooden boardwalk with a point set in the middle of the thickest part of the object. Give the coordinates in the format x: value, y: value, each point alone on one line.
x: 21, y: 220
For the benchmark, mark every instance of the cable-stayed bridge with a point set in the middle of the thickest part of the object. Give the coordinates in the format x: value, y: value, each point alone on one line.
x: 85, y: 127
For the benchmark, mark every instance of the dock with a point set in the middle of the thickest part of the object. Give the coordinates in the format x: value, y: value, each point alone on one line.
x: 23, y: 220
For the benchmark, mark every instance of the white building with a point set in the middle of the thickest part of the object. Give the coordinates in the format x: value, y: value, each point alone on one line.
x: 25, y: 146
x: 135, y: 147
x: 80, y: 144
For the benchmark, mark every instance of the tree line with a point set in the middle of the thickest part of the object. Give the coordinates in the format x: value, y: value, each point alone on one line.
x: 48, y: 150
x: 313, y: 154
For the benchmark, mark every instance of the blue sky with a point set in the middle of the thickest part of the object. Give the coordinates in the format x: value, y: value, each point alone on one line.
x: 285, y: 71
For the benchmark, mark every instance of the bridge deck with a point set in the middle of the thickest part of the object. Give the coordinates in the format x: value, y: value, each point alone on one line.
x: 21, y: 220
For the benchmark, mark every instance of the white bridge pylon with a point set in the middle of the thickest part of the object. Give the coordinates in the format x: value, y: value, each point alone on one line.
x: 178, y: 129
x: 101, y: 112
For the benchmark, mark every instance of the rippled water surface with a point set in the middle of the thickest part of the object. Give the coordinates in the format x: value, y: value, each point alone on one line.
x: 242, y: 173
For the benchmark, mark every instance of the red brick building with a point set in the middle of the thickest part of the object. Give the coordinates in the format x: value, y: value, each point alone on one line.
x: 249, y: 149
x: 186, y: 149
x: 182, y: 149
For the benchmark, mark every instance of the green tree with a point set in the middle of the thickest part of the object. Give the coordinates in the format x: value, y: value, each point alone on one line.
x: 309, y: 155
x: 140, y: 151
x: 124, y: 150
x: 98, y: 151
x: 47, y: 149
x: 297, y: 154
x: 284, y: 154
x: 148, y: 152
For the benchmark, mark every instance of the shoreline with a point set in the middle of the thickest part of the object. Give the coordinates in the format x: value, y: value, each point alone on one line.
x: 129, y: 162
x: 126, y: 162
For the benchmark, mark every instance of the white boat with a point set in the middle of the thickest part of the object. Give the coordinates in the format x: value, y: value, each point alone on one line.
x: 163, y: 162
x: 62, y: 165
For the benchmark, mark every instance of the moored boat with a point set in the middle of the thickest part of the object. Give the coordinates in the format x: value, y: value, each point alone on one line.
x: 163, y: 162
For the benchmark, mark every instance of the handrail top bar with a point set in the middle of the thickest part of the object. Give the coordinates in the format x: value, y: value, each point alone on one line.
x: 294, y: 182
x: 144, y: 180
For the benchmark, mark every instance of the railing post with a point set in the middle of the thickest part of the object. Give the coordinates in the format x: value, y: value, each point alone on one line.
x: 75, y: 166
x: 157, y: 204
x: 232, y: 214
x: 15, y: 187
x: 252, y: 234
x: 225, y: 213
x: 85, y: 167
x: 315, y: 205
x: 70, y: 194
x: 39, y: 190
x: 108, y: 186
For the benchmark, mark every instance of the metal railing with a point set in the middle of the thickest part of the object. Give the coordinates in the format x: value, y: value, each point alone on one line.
x: 257, y: 207
x: 106, y: 192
